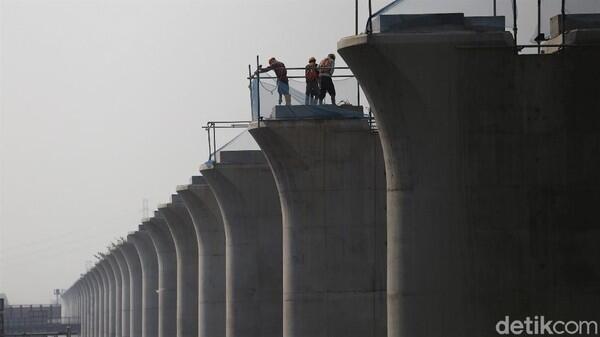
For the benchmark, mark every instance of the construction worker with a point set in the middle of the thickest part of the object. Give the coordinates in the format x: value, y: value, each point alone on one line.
x: 311, y: 74
x: 326, y: 69
x: 283, y: 85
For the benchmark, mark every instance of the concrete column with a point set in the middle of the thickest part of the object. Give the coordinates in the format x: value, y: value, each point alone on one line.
x: 206, y: 216
x: 149, y: 263
x: 98, y: 327
x: 125, y: 292
x: 135, y: 287
x: 105, y: 292
x: 184, y: 236
x: 110, y: 297
x: 82, y: 305
x: 167, y: 275
x: 331, y: 180
x: 86, y: 330
x: 492, y: 179
x: 118, y: 289
x: 244, y: 187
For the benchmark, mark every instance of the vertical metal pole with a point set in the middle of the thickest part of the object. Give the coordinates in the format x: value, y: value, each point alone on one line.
x: 258, y: 90
x: 539, y: 32
x: 251, y: 93
x: 515, y: 28
x: 209, y: 142
x: 495, y: 8
x: 370, y: 22
x: 356, y: 17
x: 214, y: 126
x: 563, y: 23
x: 357, y: 92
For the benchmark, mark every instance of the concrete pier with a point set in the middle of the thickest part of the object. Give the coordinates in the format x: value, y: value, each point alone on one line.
x: 245, y: 190
x: 136, y: 287
x: 125, y: 291
x: 149, y: 265
x: 331, y: 181
x: 206, y: 216
x: 118, y: 289
x: 89, y: 329
x: 105, y: 300
x: 167, y: 275
x: 110, y: 296
x: 98, y: 302
x: 89, y: 303
x: 182, y: 230
x: 493, y: 178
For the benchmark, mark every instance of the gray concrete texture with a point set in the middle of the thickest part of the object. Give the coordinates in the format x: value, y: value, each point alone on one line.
x: 118, y: 289
x: 182, y: 230
x: 493, y: 178
x: 98, y: 302
x: 125, y: 291
x: 109, y: 296
x: 136, y: 284
x: 149, y: 268
x: 167, y: 275
x: 331, y: 181
x: 249, y: 202
x: 206, y: 216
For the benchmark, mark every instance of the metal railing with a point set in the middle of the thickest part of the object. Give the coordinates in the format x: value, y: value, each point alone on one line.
x: 256, y: 75
x: 211, y: 131
x: 539, y: 39
x: 212, y: 127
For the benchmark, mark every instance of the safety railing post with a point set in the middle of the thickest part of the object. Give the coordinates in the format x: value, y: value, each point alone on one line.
x: 356, y: 17
x: 258, y: 90
x: 563, y: 22
x: 370, y: 21
x: 515, y: 28
x: 209, y: 142
x: 214, y: 127
x: 539, y: 31
x: 251, y: 93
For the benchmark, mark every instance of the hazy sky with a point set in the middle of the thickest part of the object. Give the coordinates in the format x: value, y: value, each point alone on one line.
x: 102, y: 104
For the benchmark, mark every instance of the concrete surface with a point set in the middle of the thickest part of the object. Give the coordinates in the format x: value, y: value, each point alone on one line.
x: 331, y: 181
x: 493, y: 179
x: 149, y: 265
x: 105, y: 296
x: 136, y: 286
x: 208, y: 222
x: 125, y: 291
x: 182, y: 230
x: 249, y: 203
x: 118, y: 289
x: 308, y: 111
x: 98, y: 302
x: 110, y: 297
x: 167, y: 275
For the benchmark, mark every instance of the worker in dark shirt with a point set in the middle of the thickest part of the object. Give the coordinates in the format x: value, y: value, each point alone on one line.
x: 283, y: 84
x: 311, y: 73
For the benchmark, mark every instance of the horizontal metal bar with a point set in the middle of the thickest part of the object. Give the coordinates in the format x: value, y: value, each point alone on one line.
x: 275, y: 77
x: 335, y: 68
x: 529, y: 46
x: 228, y: 127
